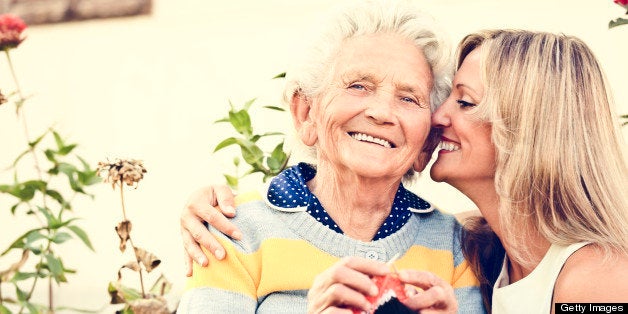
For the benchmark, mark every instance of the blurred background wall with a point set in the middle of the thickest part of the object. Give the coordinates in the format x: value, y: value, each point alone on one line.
x: 150, y: 87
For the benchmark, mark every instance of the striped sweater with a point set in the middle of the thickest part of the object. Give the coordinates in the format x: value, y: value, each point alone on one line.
x: 270, y: 269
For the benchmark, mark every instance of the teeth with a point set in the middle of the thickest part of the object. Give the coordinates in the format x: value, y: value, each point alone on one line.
x: 367, y: 138
x: 449, y: 146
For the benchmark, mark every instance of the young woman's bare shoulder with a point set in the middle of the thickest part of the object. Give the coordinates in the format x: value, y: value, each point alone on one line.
x: 590, y: 275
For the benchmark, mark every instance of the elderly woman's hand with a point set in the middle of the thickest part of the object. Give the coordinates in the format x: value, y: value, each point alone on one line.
x: 211, y: 204
x: 437, y: 295
x: 343, y: 286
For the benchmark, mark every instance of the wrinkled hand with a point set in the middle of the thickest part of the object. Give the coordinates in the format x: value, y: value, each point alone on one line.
x: 437, y: 295
x: 343, y: 286
x: 212, y: 204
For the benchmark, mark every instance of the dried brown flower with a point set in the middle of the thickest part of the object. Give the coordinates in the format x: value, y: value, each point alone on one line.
x: 129, y: 171
x: 3, y: 99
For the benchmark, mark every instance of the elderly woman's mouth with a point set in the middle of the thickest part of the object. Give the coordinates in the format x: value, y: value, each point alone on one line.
x: 368, y: 138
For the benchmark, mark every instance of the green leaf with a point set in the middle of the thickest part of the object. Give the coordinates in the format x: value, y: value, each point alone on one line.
x: 616, y: 22
x: 19, y: 276
x: 19, y: 242
x: 50, y: 155
x: 275, y: 108
x: 21, y: 295
x: 231, y: 181
x: 82, y: 235
x: 161, y: 286
x: 32, y: 309
x: 222, y: 120
x: 20, y: 157
x: 280, y: 75
x: 227, y: 142
x: 58, y: 140
x: 50, y: 218
x: 4, y: 310
x: 247, y: 105
x: 58, y: 197
x: 251, y: 153
x: 241, y: 122
x: 66, y: 149
x: 61, y: 237
x: 56, y: 268
x: 128, y: 294
x: 270, y: 134
x: 37, y: 140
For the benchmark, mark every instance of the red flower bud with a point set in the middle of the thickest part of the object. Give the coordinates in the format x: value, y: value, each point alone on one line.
x: 623, y: 3
x: 11, y: 28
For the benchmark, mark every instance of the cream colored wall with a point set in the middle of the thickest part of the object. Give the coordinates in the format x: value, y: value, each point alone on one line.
x: 150, y: 88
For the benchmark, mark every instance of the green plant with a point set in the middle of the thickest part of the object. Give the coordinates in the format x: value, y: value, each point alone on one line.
x: 59, y: 176
x: 131, y: 172
x: 268, y: 163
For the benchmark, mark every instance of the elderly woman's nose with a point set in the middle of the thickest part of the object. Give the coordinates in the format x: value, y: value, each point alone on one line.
x: 380, y: 108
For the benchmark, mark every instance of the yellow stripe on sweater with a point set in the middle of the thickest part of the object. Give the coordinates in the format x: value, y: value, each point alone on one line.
x: 290, y: 264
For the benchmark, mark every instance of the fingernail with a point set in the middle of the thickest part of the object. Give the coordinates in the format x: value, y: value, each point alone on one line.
x: 201, y: 261
x: 229, y: 209
x: 220, y: 254
x: 236, y: 235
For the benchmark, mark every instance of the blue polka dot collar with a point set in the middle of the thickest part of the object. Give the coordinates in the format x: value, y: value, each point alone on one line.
x: 288, y: 192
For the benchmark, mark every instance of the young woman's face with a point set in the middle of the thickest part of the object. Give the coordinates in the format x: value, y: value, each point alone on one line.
x: 467, y: 155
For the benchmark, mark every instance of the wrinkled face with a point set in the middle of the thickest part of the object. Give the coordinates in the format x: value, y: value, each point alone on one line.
x: 375, y: 116
x: 466, y: 155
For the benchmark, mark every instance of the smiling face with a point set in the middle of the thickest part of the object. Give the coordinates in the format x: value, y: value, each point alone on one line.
x: 373, y: 119
x: 467, y: 155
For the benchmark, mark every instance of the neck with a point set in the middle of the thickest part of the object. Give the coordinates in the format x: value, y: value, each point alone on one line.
x: 357, y: 204
x: 535, y: 243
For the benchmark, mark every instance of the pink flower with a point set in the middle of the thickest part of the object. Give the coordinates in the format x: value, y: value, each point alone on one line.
x: 11, y: 28
x: 623, y: 3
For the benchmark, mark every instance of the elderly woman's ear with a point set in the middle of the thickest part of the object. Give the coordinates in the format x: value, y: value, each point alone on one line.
x: 300, y: 107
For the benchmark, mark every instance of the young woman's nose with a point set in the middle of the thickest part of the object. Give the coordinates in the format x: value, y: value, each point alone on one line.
x: 440, y: 117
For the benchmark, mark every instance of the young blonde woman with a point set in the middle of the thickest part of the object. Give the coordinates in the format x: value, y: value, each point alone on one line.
x: 529, y: 134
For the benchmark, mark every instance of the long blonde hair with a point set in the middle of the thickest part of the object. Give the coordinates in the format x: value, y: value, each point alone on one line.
x: 561, y: 169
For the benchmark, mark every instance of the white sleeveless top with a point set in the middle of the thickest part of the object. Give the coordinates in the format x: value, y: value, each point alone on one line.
x: 532, y: 294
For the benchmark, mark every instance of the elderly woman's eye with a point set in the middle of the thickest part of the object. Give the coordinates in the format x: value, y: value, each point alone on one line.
x: 357, y: 86
x: 410, y: 100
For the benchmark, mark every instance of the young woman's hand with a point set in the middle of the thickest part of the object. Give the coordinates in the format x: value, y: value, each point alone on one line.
x: 211, y: 204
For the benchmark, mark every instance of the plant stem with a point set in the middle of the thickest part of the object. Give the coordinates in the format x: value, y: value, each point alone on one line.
x: 122, y: 200
x: 37, y: 168
x: 17, y: 84
x: 137, y: 258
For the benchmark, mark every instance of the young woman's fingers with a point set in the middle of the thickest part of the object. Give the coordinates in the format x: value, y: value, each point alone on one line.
x: 202, y: 204
x: 194, y: 228
x: 192, y: 249
x: 225, y: 199
x: 188, y: 264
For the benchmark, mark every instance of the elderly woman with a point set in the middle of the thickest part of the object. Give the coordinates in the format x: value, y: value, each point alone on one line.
x: 362, y: 99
